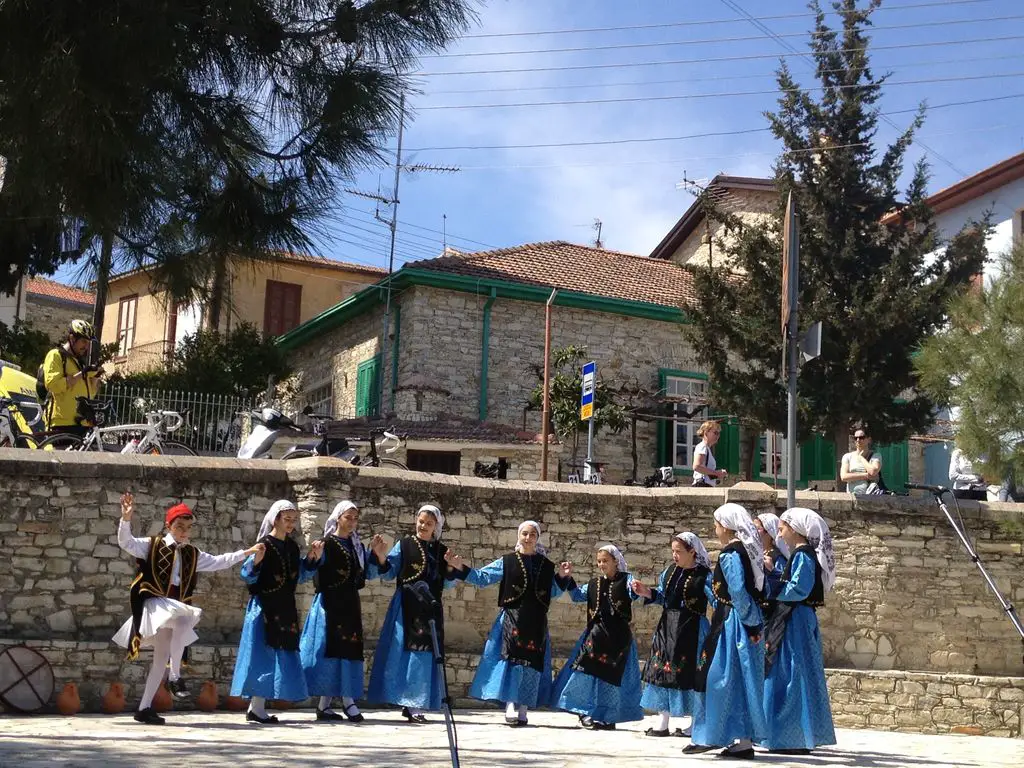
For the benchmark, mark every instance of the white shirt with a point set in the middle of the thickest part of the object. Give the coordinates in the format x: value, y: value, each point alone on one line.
x: 702, y: 449
x: 856, y: 463
x: 961, y: 471
x: 204, y: 562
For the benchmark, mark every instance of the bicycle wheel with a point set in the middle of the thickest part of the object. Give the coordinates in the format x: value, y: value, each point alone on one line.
x: 170, y: 448
x: 60, y: 442
x: 297, y: 455
x: 392, y: 463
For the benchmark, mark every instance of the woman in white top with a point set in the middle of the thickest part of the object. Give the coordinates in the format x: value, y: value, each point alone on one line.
x: 705, y: 471
x: 861, y: 468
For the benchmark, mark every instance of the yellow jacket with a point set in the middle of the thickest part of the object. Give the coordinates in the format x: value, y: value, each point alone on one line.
x: 62, y: 408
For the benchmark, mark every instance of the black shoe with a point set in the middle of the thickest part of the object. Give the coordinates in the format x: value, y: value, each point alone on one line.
x: 683, y: 734
x: 178, y: 688
x: 148, y: 716
x: 357, y: 717
x: 597, y: 725
x: 696, y: 749
x: 652, y: 732
x: 586, y: 722
x: 252, y: 717
x: 323, y: 714
x: 740, y: 754
x: 514, y: 722
x: 413, y: 718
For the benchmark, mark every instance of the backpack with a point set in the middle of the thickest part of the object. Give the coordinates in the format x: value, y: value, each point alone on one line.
x: 41, y: 391
x: 878, y: 487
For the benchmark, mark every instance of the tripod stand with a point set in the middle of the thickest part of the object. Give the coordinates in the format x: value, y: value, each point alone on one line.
x: 1008, y: 609
x: 446, y: 699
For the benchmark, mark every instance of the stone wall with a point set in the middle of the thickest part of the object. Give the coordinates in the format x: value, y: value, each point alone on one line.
x: 906, y: 598
x: 53, y: 317
x: 710, y: 240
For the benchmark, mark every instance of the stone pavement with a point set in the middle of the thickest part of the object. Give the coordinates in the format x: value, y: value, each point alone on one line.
x: 224, y: 739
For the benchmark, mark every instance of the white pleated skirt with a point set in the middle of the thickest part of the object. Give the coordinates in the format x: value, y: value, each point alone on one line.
x: 158, y: 613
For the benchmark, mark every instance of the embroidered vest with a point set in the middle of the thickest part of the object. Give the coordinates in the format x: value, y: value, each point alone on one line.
x: 154, y: 580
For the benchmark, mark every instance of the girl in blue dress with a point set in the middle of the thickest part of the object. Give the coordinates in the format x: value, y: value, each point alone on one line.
x: 671, y: 670
x: 331, y: 647
x: 600, y: 682
x: 796, y: 702
x: 730, y: 670
x: 404, y: 671
x: 776, y: 552
x: 268, y: 665
x: 515, y: 667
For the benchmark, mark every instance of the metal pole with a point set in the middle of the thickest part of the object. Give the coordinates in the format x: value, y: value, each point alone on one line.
x: 391, y: 255
x: 589, y: 469
x: 792, y: 334
x: 546, y: 410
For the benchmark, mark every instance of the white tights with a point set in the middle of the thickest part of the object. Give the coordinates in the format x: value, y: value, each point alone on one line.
x: 168, y: 647
x: 511, y: 710
x: 346, y: 702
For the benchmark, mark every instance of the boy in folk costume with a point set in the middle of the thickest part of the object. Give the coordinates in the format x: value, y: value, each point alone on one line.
x: 163, y: 617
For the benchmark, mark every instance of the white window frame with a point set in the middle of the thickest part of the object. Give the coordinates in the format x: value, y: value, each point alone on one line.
x: 127, y: 317
x: 686, y: 387
x: 774, y: 444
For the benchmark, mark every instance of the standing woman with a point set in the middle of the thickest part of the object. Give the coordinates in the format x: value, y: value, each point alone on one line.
x: 670, y: 672
x: 515, y: 667
x: 776, y: 552
x: 331, y: 646
x: 601, y: 680
x: 404, y: 672
x: 795, y: 697
x: 705, y: 470
x: 731, y: 666
x: 268, y: 664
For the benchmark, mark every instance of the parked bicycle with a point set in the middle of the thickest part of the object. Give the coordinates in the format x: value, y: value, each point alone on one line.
x: 149, y: 438
x: 663, y: 477
x: 12, y: 415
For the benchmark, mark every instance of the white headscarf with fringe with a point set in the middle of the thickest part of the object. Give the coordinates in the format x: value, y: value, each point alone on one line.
x: 271, y: 517
x: 331, y: 525
x: 737, y: 519
x: 770, y: 521
x: 436, y: 513
x: 541, y: 550
x: 620, y: 561
x: 813, y: 527
x: 692, y: 540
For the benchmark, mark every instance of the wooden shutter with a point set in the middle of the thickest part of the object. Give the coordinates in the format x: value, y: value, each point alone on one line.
x: 368, y: 387
x: 282, y: 307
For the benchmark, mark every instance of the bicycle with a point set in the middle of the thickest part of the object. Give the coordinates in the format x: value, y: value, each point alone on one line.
x: 340, y: 448
x: 145, y: 438
x: 11, y: 433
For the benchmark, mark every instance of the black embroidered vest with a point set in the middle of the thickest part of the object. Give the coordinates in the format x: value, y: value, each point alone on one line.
x: 609, y: 635
x: 422, y: 561
x: 525, y: 595
x: 720, y: 587
x: 516, y: 586
x: 338, y: 580
x: 154, y: 580
x: 275, y: 589
x: 817, y: 596
x: 674, y: 648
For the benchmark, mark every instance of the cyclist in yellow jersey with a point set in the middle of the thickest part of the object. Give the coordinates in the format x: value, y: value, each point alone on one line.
x: 67, y: 375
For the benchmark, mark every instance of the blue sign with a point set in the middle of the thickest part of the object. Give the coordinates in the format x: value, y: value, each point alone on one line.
x: 587, y: 396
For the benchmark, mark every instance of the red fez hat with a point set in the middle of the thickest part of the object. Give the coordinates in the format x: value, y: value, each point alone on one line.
x: 178, y: 510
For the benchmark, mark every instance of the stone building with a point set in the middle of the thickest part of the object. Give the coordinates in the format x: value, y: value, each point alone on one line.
x: 51, y: 306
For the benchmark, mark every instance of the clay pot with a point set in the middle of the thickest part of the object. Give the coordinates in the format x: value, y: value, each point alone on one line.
x: 162, y: 702
x: 207, y: 698
x: 113, y: 699
x: 235, y: 703
x: 68, y: 701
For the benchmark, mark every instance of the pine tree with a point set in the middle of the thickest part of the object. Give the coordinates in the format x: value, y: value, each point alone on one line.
x: 865, y: 269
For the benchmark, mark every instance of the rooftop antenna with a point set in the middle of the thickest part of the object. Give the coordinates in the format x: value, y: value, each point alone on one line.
x: 444, y: 233
x: 597, y: 228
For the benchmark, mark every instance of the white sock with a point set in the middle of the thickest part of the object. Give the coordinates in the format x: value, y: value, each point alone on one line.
x: 510, y: 710
x: 521, y: 709
x: 349, y: 705
x: 662, y: 721
x: 258, y: 706
x: 325, y: 703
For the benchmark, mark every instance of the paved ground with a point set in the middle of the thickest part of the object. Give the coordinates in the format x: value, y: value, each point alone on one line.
x: 553, y: 739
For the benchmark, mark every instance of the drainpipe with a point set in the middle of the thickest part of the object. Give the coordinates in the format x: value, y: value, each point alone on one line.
x: 394, y: 354
x: 485, y: 345
x: 546, y: 412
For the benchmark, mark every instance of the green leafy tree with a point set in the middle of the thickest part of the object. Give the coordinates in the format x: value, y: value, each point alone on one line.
x: 865, y: 268
x: 24, y: 346
x: 566, y: 385
x: 976, y: 365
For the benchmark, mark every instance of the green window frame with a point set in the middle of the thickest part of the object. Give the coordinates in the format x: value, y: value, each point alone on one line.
x: 727, y: 452
x: 368, y: 387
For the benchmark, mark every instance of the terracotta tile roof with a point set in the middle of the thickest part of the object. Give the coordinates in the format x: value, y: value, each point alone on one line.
x: 559, y: 264
x: 446, y: 428
x: 323, y: 261
x: 51, y: 289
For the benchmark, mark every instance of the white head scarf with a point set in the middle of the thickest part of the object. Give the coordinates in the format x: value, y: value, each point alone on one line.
x: 736, y: 518
x: 620, y: 561
x: 433, y: 510
x: 813, y: 527
x: 541, y: 550
x: 692, y: 540
x: 770, y: 521
x: 271, y: 517
x: 331, y: 525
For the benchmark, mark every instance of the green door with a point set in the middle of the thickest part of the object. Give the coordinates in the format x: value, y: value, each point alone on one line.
x: 895, y: 465
x: 368, y: 387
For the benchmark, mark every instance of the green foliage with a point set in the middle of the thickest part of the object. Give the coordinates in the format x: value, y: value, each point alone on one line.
x: 868, y: 278
x: 238, y: 362
x: 24, y: 346
x: 566, y: 385
x: 976, y: 365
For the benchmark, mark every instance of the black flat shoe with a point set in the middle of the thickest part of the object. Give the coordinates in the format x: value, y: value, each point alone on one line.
x: 178, y: 689
x: 599, y: 726
x: 652, y: 732
x: 357, y: 717
x: 148, y: 716
x: 514, y: 722
x: 742, y: 754
x: 323, y: 714
x: 683, y: 734
x: 586, y: 722
x: 696, y: 749
x: 413, y: 718
x: 252, y: 717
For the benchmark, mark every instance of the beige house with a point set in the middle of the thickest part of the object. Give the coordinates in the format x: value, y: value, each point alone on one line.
x: 274, y: 296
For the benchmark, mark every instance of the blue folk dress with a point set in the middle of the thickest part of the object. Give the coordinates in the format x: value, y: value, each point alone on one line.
x: 404, y: 672
x: 796, y: 702
x: 670, y: 672
x: 601, y: 678
x: 516, y: 663
x: 268, y: 663
x: 331, y: 647
x: 731, y: 665
x: 773, y: 578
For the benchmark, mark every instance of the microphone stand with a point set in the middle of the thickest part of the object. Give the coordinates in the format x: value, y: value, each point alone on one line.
x: 1008, y: 608
x: 446, y: 699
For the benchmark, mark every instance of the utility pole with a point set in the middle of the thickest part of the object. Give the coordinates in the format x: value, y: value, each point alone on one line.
x: 790, y: 299
x: 391, y: 254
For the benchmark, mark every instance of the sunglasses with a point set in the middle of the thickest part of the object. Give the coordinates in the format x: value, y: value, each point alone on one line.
x: 860, y: 437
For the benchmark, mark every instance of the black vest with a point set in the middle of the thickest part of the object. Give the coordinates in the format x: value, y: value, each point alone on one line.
x: 338, y: 580
x: 674, y: 648
x: 720, y: 587
x: 525, y: 595
x: 516, y: 586
x: 817, y: 596
x: 154, y: 580
x: 275, y: 589
x: 609, y: 635
x: 422, y: 561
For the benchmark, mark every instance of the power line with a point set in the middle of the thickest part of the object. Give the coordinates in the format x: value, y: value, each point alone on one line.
x: 706, y: 41
x: 709, y: 59
x: 450, y: 235
x: 491, y: 35
x: 647, y: 140
x: 679, y: 97
x: 410, y: 248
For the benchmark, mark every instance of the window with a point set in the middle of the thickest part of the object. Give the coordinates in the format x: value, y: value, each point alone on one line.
x: 368, y: 387
x: 320, y: 399
x: 281, y: 307
x: 773, y: 457
x: 127, y: 309
x: 689, y: 416
x: 443, y: 462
